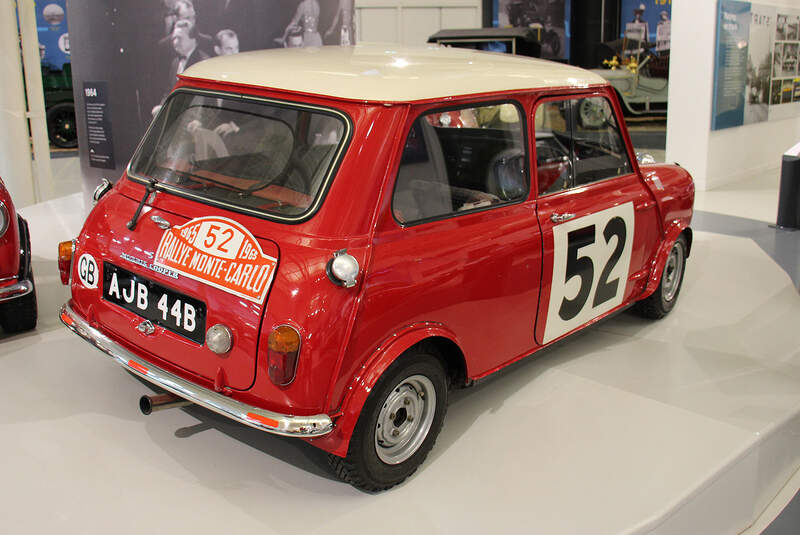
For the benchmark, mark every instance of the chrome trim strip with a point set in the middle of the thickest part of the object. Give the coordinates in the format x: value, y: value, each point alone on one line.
x: 18, y: 289
x: 264, y: 420
x: 6, y: 223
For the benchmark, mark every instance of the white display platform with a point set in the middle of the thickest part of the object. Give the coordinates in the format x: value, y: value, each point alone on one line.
x: 681, y: 426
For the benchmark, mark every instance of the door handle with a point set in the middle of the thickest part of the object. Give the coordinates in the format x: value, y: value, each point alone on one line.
x: 560, y: 218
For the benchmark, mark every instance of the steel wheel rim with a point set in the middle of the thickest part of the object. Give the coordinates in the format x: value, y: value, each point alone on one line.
x: 405, y: 419
x: 673, y: 272
x: 592, y: 113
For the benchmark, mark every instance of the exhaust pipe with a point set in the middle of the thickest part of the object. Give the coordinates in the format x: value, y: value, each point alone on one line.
x: 148, y: 404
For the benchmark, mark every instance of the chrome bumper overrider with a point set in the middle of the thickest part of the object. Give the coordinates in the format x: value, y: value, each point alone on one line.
x: 271, y: 422
x: 18, y: 289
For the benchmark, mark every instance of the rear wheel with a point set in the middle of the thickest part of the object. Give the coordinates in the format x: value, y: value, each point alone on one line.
x: 660, y: 302
x: 398, y: 424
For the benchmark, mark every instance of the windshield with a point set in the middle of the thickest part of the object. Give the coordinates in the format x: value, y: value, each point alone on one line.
x: 251, y: 155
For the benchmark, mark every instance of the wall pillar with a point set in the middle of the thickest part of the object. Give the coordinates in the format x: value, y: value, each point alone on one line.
x: 15, y: 151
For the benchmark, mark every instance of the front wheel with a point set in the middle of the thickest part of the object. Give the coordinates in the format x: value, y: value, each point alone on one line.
x: 398, y: 424
x: 660, y: 302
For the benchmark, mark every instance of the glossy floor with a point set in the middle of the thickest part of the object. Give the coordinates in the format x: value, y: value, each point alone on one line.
x: 686, y: 425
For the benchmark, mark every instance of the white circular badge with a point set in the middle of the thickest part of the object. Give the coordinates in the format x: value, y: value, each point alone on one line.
x: 87, y: 271
x: 63, y: 43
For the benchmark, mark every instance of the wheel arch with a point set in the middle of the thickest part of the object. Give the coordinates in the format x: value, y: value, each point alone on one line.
x: 439, y: 340
x: 674, y: 231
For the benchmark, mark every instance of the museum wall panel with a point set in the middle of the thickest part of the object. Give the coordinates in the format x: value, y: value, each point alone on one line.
x: 412, y: 22
x: 721, y: 157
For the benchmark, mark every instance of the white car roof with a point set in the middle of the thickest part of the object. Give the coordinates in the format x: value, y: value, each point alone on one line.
x: 389, y: 73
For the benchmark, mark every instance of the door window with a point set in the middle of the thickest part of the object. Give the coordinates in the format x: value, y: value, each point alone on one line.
x: 461, y: 160
x: 577, y: 142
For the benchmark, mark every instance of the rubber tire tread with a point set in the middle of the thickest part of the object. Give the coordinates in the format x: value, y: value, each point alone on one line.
x: 653, y: 306
x: 19, y: 314
x: 349, y: 468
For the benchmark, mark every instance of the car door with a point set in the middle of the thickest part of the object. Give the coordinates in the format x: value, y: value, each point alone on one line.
x: 459, y: 246
x: 597, y: 217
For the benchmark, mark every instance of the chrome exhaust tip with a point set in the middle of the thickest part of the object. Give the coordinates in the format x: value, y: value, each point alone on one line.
x: 149, y: 404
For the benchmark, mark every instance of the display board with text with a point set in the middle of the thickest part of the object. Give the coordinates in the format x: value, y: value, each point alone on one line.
x: 756, y: 73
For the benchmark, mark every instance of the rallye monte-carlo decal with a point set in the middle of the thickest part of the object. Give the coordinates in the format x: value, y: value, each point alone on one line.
x: 591, y: 262
x: 219, y: 252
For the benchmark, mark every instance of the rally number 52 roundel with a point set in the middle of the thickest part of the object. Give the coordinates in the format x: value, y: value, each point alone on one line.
x: 220, y: 252
x: 591, y: 261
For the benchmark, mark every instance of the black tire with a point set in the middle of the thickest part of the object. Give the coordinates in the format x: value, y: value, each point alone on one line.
x: 365, y: 466
x: 660, y: 302
x: 61, y: 126
x: 19, y: 314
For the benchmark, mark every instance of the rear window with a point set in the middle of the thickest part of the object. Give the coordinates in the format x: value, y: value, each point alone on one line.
x: 252, y: 155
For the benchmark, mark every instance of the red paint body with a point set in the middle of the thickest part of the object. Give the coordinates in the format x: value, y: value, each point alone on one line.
x: 475, y: 281
x: 9, y: 242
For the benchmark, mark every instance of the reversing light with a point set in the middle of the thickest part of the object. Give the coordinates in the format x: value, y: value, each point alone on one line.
x: 283, y: 348
x: 4, y: 219
x: 342, y: 269
x: 219, y: 339
x: 65, y: 251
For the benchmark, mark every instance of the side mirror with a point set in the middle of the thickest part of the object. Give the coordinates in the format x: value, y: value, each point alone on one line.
x: 645, y: 158
x: 104, y: 187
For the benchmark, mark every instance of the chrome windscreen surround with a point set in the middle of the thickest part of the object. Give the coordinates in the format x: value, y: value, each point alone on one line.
x: 271, y: 422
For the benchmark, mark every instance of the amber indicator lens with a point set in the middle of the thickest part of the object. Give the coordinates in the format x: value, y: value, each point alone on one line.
x: 284, y: 339
x: 284, y: 347
x: 65, y: 250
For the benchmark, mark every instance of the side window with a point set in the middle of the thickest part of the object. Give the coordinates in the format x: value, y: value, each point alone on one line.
x: 553, y: 126
x: 577, y: 142
x: 599, y: 150
x: 459, y: 160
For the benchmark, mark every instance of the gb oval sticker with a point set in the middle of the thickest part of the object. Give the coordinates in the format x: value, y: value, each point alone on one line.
x: 219, y: 252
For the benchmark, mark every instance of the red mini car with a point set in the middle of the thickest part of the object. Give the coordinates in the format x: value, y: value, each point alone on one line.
x: 321, y: 243
x: 17, y: 292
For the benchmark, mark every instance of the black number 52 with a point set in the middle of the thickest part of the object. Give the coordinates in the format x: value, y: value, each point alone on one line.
x: 583, y: 267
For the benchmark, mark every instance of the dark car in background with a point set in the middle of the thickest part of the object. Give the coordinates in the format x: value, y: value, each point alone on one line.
x: 60, y: 106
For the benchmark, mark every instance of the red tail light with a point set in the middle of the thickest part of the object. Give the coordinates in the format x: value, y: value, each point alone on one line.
x: 65, y: 251
x: 283, y: 349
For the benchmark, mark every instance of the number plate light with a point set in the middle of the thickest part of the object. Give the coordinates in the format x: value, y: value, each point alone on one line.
x: 283, y: 349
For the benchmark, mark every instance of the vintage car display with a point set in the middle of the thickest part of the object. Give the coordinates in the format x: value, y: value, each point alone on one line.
x: 322, y: 243
x: 17, y: 292
x: 639, y: 74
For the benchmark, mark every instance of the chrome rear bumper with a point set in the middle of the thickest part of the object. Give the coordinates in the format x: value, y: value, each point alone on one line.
x: 18, y: 289
x: 271, y: 422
